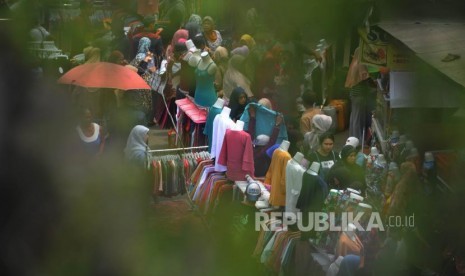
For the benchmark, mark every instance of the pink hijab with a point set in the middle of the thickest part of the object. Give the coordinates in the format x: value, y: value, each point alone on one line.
x: 179, y: 34
x: 357, y: 72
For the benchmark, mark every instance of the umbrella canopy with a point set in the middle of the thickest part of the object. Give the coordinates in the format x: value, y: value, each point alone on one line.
x: 104, y: 75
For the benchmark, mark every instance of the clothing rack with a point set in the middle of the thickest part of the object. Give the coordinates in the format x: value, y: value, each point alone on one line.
x: 178, y: 149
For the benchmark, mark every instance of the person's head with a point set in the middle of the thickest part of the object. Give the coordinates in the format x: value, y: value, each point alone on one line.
x: 348, y: 154
x: 248, y: 41
x: 242, y: 50
x: 91, y: 54
x: 237, y: 102
x: 354, y: 142
x: 140, y: 134
x: 309, y: 99
x: 266, y: 103
x: 199, y: 42
x: 326, y: 142
x: 208, y: 24
x: 117, y: 57
x: 149, y: 22
x: 144, y: 45
x: 179, y: 49
x: 195, y: 18
x: 239, y: 96
x: 85, y: 116
x: 220, y: 55
x: 321, y: 123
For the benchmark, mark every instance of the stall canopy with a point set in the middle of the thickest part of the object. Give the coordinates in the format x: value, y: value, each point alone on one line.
x: 438, y: 44
x: 434, y: 42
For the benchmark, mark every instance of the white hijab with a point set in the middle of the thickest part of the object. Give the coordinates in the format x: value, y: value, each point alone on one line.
x: 136, y: 147
x: 320, y: 124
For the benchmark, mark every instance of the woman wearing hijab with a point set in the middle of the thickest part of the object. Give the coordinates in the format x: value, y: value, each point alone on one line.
x: 142, y: 51
x: 194, y: 25
x: 320, y: 124
x: 91, y: 54
x: 346, y: 173
x: 358, y: 81
x: 137, y: 147
x: 220, y: 57
x: 234, y: 77
x: 248, y: 41
x: 237, y: 103
x: 178, y: 35
x: 212, y: 36
x: 144, y: 66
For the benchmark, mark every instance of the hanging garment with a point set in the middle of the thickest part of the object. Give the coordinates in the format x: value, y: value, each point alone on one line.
x: 294, y: 175
x: 208, y: 130
x: 311, y: 199
x: 276, y: 177
x: 220, y: 125
x: 237, y: 155
x: 266, y: 121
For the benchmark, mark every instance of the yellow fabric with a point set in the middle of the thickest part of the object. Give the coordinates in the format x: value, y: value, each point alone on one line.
x: 276, y: 177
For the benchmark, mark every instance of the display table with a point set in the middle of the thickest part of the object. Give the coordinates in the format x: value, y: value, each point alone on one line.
x: 190, y: 121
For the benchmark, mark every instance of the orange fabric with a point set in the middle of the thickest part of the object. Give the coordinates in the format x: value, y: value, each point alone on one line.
x: 276, y: 177
x: 306, y: 119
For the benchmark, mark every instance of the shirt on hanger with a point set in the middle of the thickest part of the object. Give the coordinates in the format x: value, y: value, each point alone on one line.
x: 220, y: 125
x: 237, y: 155
x: 276, y: 177
x: 294, y: 174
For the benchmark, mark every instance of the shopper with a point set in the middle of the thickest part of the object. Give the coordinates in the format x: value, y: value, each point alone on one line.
x: 212, y: 36
x: 324, y: 155
x: 237, y: 103
x: 358, y: 82
x: 90, y: 134
x: 346, y: 173
x: 137, y: 146
x: 309, y: 101
x: 320, y: 124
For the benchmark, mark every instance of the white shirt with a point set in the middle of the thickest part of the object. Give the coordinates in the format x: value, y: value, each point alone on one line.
x: 294, y: 175
x: 220, y: 125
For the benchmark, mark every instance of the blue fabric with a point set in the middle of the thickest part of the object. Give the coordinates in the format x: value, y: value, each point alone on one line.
x: 266, y: 120
x: 208, y: 130
x: 360, y: 159
x: 270, y: 151
x: 92, y: 148
x: 349, y: 265
x: 205, y: 93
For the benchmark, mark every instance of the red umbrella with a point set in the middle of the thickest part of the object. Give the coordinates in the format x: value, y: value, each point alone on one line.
x: 104, y: 75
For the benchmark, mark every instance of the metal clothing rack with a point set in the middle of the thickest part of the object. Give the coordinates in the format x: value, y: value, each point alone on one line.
x: 178, y: 149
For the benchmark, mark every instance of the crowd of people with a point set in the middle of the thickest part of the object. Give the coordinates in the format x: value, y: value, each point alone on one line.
x: 262, y: 68
x: 242, y: 69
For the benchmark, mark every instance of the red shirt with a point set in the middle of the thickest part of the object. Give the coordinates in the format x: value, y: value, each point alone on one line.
x: 237, y: 155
